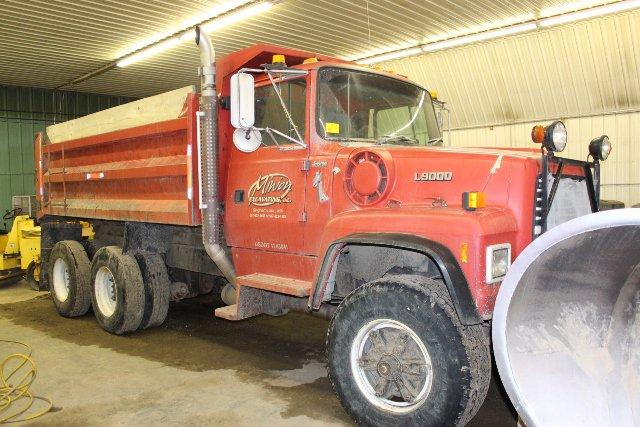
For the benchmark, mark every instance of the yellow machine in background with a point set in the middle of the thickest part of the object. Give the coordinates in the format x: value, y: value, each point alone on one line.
x: 20, y: 249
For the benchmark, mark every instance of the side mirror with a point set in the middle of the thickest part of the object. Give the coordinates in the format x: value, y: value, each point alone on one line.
x: 242, y: 101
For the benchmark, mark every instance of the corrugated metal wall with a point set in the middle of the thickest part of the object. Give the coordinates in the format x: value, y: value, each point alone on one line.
x: 25, y: 111
x: 621, y: 171
x: 586, y: 73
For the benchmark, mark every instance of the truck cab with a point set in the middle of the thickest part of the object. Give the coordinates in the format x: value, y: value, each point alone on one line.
x: 359, y: 156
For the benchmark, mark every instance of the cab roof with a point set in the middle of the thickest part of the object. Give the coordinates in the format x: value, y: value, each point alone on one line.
x: 258, y: 54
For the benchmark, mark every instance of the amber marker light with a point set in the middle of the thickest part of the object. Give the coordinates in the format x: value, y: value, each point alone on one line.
x: 464, y: 252
x: 472, y: 200
x: 537, y: 134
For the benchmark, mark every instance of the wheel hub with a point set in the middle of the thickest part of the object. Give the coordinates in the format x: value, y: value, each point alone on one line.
x: 391, y: 366
x: 61, y: 279
x: 105, y: 291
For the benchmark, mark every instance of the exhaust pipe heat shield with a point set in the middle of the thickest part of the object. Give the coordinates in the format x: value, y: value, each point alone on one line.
x: 566, y: 325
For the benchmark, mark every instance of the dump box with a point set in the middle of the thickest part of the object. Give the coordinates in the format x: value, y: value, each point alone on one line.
x: 135, y: 162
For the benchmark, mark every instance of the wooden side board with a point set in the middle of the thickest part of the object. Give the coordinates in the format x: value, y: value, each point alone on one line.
x: 158, y: 108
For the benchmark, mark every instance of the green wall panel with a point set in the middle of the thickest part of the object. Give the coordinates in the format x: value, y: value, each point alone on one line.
x: 25, y: 111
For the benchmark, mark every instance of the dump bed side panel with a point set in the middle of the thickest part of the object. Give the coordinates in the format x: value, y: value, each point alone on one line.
x: 143, y: 173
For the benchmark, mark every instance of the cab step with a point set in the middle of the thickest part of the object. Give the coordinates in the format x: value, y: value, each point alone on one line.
x: 257, y: 293
x: 283, y: 285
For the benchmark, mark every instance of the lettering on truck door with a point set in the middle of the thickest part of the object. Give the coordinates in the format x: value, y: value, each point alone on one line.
x: 265, y: 207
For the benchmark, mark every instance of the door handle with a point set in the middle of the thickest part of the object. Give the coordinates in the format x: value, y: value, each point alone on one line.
x: 317, y: 183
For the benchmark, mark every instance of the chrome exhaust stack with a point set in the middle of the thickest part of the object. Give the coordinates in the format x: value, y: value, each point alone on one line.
x: 208, y: 149
x: 566, y: 325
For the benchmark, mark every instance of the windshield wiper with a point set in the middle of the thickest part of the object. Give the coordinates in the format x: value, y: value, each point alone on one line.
x: 350, y: 139
x: 388, y: 139
x: 434, y: 140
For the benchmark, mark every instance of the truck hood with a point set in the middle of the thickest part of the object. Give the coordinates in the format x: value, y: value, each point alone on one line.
x: 424, y: 175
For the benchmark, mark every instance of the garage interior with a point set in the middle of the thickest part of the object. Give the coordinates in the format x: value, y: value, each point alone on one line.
x: 498, y: 68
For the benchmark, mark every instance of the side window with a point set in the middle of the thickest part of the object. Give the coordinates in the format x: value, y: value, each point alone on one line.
x: 269, y: 112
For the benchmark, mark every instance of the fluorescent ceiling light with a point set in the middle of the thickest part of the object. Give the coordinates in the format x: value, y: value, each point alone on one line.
x: 188, y: 35
x: 571, y: 6
x: 150, y: 51
x: 554, y: 18
x: 227, y: 19
x: 486, y: 26
x: 408, y: 44
x: 608, y: 9
x: 239, y: 15
x: 444, y: 44
x: 391, y: 55
x: 487, y: 35
x: 192, y: 21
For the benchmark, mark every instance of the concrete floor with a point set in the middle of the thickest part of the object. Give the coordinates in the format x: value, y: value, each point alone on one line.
x: 194, y: 370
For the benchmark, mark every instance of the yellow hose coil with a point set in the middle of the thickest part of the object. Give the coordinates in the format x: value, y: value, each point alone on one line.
x: 17, y: 373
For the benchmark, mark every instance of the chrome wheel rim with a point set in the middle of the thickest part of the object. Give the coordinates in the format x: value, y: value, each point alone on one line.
x: 391, y: 366
x: 61, y: 279
x: 105, y: 290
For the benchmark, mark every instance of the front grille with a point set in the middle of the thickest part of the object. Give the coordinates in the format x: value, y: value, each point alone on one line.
x: 571, y: 201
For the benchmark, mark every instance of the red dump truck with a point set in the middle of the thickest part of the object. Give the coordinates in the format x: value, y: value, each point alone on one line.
x: 304, y: 182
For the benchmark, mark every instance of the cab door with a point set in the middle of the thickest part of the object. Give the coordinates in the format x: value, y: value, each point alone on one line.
x: 265, y: 197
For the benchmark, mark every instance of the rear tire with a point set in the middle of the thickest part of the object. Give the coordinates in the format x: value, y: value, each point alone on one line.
x: 157, y: 287
x: 398, y: 355
x: 69, y: 272
x: 117, y: 290
x: 91, y: 247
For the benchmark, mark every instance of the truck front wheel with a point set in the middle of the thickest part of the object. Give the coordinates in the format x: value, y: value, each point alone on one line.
x: 117, y: 290
x: 397, y: 354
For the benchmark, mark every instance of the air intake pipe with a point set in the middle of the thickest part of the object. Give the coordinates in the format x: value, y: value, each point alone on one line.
x: 209, y: 203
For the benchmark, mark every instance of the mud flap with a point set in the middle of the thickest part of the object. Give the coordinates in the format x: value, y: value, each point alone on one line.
x: 566, y: 325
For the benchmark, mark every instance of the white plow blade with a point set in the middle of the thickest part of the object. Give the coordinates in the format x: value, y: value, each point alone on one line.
x: 566, y: 325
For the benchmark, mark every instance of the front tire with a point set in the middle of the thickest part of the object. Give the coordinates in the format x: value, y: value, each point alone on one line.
x: 397, y: 354
x: 117, y: 290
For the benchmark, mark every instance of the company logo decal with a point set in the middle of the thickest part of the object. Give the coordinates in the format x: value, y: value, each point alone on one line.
x: 270, y: 189
x: 433, y: 176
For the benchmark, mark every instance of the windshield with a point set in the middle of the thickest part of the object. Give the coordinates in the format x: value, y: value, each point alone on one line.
x: 367, y: 107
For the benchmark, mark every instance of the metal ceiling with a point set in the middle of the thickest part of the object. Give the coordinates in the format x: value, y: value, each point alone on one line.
x: 582, y: 69
x: 46, y: 43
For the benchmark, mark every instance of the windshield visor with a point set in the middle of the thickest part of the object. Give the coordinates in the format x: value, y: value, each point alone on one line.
x: 361, y: 106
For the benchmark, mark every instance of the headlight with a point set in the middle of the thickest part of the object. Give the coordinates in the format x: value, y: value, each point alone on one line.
x: 498, y: 262
x: 600, y: 148
x: 553, y: 137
